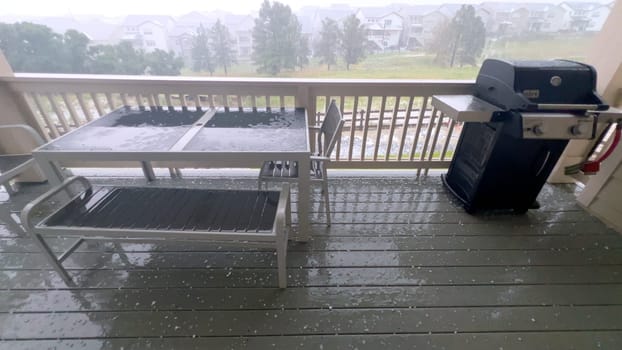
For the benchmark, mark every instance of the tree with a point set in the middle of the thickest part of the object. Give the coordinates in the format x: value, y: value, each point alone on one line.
x: 116, y: 59
x: 201, y: 53
x: 276, y: 38
x: 460, y: 40
x: 302, y: 52
x: 160, y: 62
x: 33, y: 48
x: 76, y: 51
x: 327, y: 47
x: 354, y: 41
x: 221, y: 46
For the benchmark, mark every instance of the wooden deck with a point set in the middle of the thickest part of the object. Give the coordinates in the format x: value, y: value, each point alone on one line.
x: 402, y: 267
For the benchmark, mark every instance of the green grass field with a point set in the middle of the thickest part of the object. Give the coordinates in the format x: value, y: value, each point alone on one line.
x: 411, y: 65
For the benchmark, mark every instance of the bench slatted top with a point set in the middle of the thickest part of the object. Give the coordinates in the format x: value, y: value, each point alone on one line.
x: 174, y: 209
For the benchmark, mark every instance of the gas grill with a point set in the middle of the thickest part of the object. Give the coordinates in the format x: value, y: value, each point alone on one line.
x: 517, y: 124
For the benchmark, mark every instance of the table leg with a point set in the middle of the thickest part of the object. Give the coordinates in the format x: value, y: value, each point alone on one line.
x: 51, y: 170
x: 148, y: 171
x: 304, y: 188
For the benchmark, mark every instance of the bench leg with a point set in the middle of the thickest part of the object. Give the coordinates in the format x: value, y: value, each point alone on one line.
x: 326, y: 200
x: 51, y: 257
x: 281, y: 252
x: 9, y: 189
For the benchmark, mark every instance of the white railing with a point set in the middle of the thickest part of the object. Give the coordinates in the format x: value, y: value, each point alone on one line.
x: 388, y: 123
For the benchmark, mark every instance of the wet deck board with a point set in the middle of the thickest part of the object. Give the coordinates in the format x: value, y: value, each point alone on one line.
x: 401, y: 267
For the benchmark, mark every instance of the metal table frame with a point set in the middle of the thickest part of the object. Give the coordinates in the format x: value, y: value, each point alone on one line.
x: 50, y: 162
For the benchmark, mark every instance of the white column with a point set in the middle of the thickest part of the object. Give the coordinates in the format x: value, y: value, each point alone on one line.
x: 605, y: 54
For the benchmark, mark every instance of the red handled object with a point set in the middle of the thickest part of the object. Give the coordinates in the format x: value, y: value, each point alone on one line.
x: 592, y: 167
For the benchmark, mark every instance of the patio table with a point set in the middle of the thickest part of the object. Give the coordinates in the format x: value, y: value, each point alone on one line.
x: 217, y: 138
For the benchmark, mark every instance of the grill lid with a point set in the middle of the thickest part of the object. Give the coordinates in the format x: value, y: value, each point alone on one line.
x: 551, y: 85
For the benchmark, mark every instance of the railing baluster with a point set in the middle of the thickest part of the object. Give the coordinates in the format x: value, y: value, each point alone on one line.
x: 405, y: 128
x: 267, y: 102
x: 46, y: 117
x: 353, y: 126
x: 366, y: 127
x: 424, y: 106
x: 98, y: 106
x: 211, y: 101
x: 383, y: 104
x: 435, y: 140
x: 282, y: 101
x: 197, y: 102
x: 154, y: 100
x: 85, y: 108
x: 254, y: 101
x: 125, y: 99
x: 450, y: 130
x: 59, y: 114
x: 169, y: 101
x: 182, y: 100
x: 41, y: 127
x: 396, y: 108
x: 71, y: 109
x: 110, y: 100
x: 426, y: 142
x: 239, y: 101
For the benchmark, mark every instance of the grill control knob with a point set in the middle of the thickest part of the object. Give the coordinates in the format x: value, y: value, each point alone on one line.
x: 581, y: 129
x: 538, y: 130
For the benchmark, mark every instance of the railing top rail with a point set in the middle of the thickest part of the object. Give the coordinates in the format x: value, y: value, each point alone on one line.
x: 41, y: 82
x: 35, y: 77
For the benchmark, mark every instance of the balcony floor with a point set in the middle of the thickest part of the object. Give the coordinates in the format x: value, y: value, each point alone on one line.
x: 402, y: 267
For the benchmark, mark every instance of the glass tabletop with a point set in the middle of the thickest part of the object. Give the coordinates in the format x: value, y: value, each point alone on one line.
x: 130, y: 129
x: 252, y: 130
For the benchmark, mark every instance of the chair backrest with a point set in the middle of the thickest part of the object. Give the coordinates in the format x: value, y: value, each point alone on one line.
x: 18, y: 139
x: 329, y: 131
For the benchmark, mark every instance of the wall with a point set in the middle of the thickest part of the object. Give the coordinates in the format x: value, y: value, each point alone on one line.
x: 15, y: 111
x: 602, y: 196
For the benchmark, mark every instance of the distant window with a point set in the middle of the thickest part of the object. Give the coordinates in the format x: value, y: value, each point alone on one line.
x: 148, y: 32
x: 150, y: 43
x: 387, y: 22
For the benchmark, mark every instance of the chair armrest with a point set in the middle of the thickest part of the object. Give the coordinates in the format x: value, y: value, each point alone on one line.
x: 322, y: 158
x: 31, y: 208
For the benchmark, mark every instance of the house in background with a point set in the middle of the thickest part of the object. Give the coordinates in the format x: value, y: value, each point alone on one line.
x: 384, y: 27
x: 240, y: 28
x: 545, y: 18
x: 311, y: 18
x: 146, y: 33
x: 585, y: 16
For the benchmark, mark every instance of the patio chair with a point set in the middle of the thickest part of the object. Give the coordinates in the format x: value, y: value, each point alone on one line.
x: 287, y: 171
x: 13, y: 164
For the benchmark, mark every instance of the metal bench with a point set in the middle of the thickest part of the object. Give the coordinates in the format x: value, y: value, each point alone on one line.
x: 239, y: 217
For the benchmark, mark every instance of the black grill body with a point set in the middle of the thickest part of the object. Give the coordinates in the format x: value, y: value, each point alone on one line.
x: 494, y: 166
x: 493, y: 169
